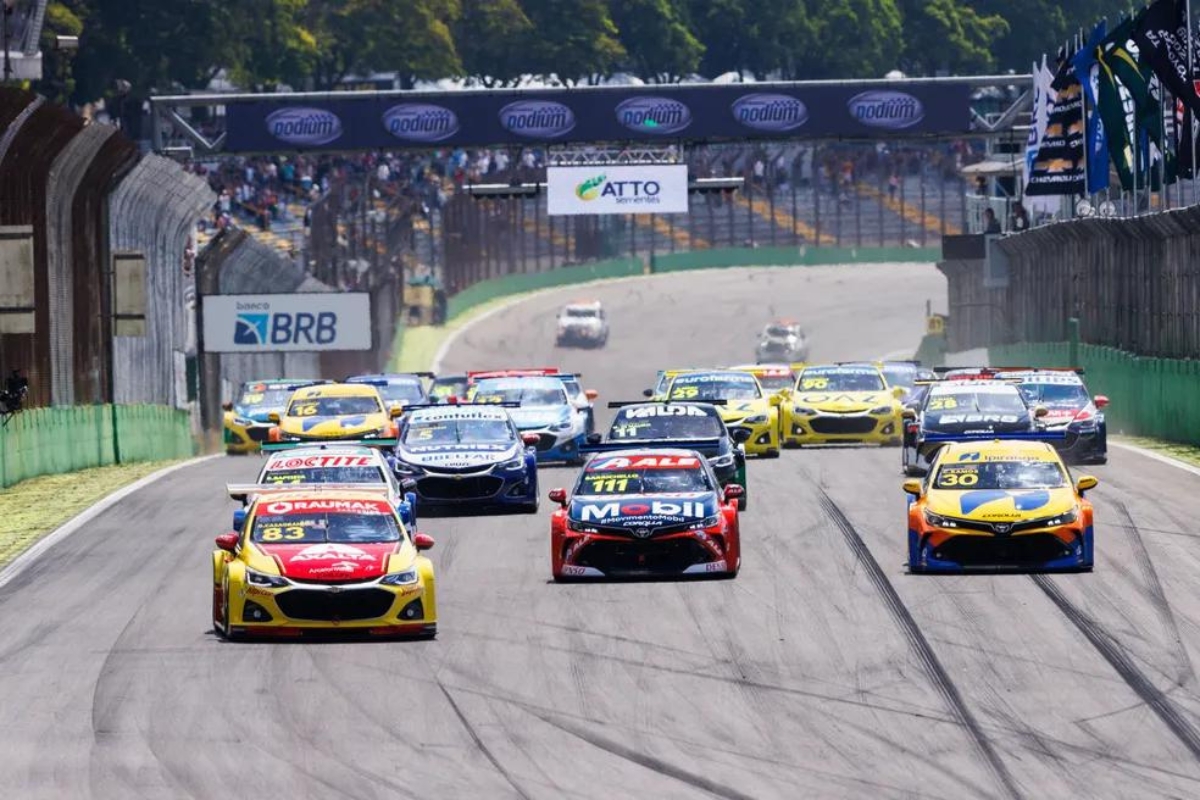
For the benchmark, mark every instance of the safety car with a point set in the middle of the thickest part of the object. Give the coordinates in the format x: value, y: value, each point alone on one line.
x: 542, y: 408
x: 336, y: 412
x: 468, y: 457
x: 582, y: 324
x: 323, y: 558
x: 695, y: 426
x: 1070, y: 408
x: 247, y: 420
x: 846, y: 403
x: 396, y: 389
x: 645, y: 512
x: 995, y: 504
x: 781, y: 340
x: 966, y: 407
x: 743, y: 404
x: 444, y: 387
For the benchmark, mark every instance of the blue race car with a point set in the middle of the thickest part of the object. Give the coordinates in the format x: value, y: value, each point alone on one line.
x: 544, y: 410
x: 467, y: 458
x: 397, y: 389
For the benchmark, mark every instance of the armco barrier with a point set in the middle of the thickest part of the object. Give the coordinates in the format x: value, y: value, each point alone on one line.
x: 42, y: 441
x: 1149, y: 396
x: 791, y: 257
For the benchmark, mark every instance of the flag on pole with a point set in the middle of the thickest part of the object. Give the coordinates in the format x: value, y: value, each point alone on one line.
x: 1043, y: 102
x: 1161, y: 34
x: 1087, y: 70
x: 1058, y: 166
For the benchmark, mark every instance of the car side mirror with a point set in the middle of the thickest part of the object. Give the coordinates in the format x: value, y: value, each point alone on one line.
x: 558, y: 496
x: 1100, y: 400
x: 734, y: 490
x: 274, y: 417
x: 530, y: 438
x: 647, y: 393
x: 775, y: 400
x: 740, y: 435
x: 594, y: 438
x: 1085, y: 482
x: 228, y: 542
x: 422, y: 541
x: 1040, y: 411
x: 227, y: 406
x: 239, y: 520
x: 396, y: 411
x: 912, y: 487
x: 909, y: 413
x: 591, y: 394
x: 898, y: 392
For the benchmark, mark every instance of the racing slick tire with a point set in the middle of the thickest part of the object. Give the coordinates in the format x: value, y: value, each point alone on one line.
x: 743, y: 501
x: 221, y: 626
x: 772, y: 453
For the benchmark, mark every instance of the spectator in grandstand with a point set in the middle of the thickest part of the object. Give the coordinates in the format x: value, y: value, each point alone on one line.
x: 1020, y: 219
x: 990, y: 223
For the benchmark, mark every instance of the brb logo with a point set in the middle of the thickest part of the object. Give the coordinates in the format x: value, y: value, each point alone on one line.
x: 264, y: 328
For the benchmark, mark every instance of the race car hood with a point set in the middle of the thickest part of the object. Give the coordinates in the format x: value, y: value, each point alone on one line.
x: 998, y: 505
x: 258, y: 414
x: 737, y: 410
x: 959, y: 422
x: 843, y: 402
x: 330, y: 561
x: 638, y: 513
x: 533, y: 417
x: 459, y: 456
x: 334, y: 427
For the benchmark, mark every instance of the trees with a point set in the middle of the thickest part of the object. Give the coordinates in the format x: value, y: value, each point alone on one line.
x: 659, y: 44
x: 493, y: 37
x: 942, y: 36
x: 573, y: 40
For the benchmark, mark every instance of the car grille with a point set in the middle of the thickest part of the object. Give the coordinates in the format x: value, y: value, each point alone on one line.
x: 335, y: 606
x: 848, y: 425
x: 545, y: 442
x: 635, y: 557
x: 1002, y: 551
x: 478, y: 486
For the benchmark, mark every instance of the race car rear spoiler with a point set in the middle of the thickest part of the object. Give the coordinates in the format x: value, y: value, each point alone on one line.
x: 271, y: 447
x: 241, y: 491
x: 624, y: 403
x: 651, y: 444
x: 506, y: 404
x: 535, y: 372
x: 984, y: 372
x: 382, y: 378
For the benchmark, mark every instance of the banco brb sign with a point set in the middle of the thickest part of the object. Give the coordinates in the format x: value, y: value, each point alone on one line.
x: 281, y: 323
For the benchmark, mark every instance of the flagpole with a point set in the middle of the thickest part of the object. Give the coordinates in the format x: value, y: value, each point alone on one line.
x: 1191, y: 77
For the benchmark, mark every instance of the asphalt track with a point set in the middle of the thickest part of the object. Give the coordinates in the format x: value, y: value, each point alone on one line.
x: 822, y: 671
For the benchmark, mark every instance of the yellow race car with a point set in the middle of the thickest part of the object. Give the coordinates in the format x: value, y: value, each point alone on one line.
x: 336, y: 412
x: 738, y: 397
x: 842, y: 403
x: 336, y: 557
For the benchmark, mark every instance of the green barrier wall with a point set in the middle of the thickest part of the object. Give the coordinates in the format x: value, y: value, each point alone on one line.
x: 1154, y: 397
x: 43, y: 441
x: 485, y: 291
x: 790, y: 257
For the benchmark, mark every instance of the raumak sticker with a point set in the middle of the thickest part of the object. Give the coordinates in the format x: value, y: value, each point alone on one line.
x: 644, y: 462
x: 321, y: 505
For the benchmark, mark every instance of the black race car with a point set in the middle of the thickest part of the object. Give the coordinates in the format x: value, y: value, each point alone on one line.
x: 694, y: 426
x: 1071, y: 410
x: 971, y: 407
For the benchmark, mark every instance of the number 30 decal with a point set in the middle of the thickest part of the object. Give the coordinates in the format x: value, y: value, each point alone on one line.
x: 960, y: 479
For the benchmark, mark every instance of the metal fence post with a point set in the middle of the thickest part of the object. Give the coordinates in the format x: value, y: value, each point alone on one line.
x: 1073, y: 341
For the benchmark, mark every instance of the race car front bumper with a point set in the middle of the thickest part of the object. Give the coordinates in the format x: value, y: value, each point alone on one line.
x: 1067, y: 548
x: 763, y: 429
x: 579, y: 336
x: 601, y: 555
x: 489, y: 488
x: 813, y: 426
x: 369, y: 607
x: 557, y: 445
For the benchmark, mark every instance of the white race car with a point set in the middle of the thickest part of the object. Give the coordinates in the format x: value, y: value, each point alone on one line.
x: 582, y: 325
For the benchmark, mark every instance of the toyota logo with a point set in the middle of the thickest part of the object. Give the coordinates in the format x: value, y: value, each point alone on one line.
x: 641, y: 533
x: 1002, y: 527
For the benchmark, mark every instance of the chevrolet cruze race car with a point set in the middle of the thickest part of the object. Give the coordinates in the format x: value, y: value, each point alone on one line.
x: 336, y: 558
x: 782, y: 340
x: 740, y: 399
x: 645, y: 512
x: 543, y: 409
x: 468, y: 457
x: 396, y: 389
x: 1070, y: 408
x: 842, y: 404
x: 582, y: 325
x: 336, y: 412
x: 692, y: 426
x: 964, y: 407
x: 999, y: 504
x: 247, y: 420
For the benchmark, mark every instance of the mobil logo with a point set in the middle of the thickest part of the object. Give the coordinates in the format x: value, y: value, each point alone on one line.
x: 420, y: 122
x: 304, y: 125
x: 770, y: 112
x: 537, y: 119
x: 260, y: 329
x: 657, y: 115
x: 886, y: 108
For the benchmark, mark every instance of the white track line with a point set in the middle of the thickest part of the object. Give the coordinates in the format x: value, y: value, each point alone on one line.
x: 26, y: 559
x: 1155, y: 456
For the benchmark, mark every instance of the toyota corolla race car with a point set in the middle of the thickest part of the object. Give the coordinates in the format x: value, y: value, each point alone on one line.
x: 999, y: 504
x: 738, y: 397
x: 582, y: 399
x: 692, y: 426
x: 337, y: 558
x: 248, y: 420
x: 782, y: 340
x: 964, y: 407
x: 336, y: 412
x: 468, y: 457
x: 842, y: 404
x: 645, y: 512
x: 542, y: 408
x: 1070, y: 408
x: 582, y: 325
x: 398, y: 389
x: 444, y: 387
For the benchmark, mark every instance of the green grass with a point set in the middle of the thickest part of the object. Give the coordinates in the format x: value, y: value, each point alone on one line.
x: 1189, y: 454
x: 420, y: 344
x: 31, y: 509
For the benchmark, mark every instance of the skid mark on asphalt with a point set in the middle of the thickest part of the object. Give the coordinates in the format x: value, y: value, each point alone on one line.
x: 1107, y: 647
x: 483, y: 748
x: 921, y: 647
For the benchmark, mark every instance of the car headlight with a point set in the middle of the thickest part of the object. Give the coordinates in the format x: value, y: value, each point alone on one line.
x: 579, y: 527
x: 243, y: 422
x: 721, y: 461
x: 757, y: 419
x: 565, y: 425
x: 402, y: 468
x: 513, y: 465
x: 804, y: 412
x: 255, y: 578
x: 704, y: 524
x: 406, y: 578
x: 938, y: 521
x: 875, y: 412
x: 1065, y: 518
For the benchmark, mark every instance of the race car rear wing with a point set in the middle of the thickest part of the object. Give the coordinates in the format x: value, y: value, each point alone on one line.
x: 536, y: 372
x: 506, y: 404
x: 651, y: 444
x: 624, y: 403
x: 242, y: 491
x: 382, y: 378
x: 272, y: 447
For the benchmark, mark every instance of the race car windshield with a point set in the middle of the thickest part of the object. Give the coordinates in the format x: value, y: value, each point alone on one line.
x: 900, y: 376
x: 977, y: 402
x: 581, y: 313
x: 777, y: 332
x: 526, y: 394
x: 461, y: 431
x: 403, y: 393
x: 841, y: 380
x: 317, y: 528
x: 633, y: 424
x: 334, y: 406
x: 269, y: 398
x: 1055, y: 395
x: 1001, y: 475
x: 325, y: 475
x: 715, y: 387
x: 642, y: 481
x: 448, y: 387
x: 773, y: 383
